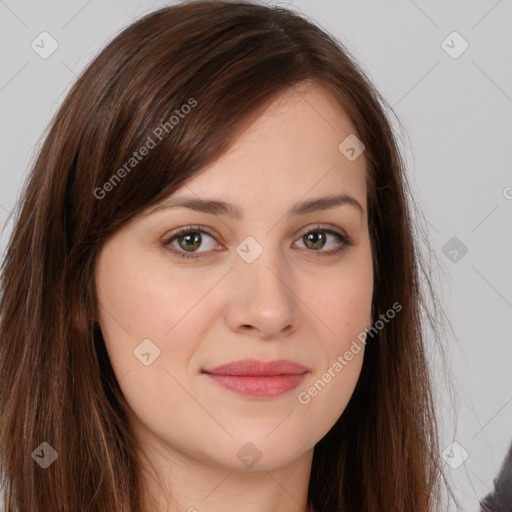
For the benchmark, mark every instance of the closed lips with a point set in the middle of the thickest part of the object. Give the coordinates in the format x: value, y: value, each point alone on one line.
x: 255, y: 379
x: 256, y: 368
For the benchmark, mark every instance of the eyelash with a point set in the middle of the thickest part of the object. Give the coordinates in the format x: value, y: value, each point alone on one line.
x: 346, y: 241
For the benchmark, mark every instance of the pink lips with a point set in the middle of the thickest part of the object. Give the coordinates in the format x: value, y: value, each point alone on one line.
x: 259, y: 379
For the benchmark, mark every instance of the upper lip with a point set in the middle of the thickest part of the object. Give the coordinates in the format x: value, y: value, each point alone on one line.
x: 253, y: 367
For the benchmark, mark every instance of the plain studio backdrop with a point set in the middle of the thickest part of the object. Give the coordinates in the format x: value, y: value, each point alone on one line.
x: 444, y: 68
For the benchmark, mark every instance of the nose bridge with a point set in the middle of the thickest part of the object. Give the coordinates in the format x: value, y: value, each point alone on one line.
x: 263, y: 269
x: 262, y: 295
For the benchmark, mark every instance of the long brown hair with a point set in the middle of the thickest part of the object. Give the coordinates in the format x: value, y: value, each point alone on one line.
x: 56, y: 382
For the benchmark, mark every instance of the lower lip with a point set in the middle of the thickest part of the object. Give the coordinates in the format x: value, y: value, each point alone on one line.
x: 259, y: 387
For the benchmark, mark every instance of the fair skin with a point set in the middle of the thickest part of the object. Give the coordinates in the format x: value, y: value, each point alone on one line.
x: 294, y: 301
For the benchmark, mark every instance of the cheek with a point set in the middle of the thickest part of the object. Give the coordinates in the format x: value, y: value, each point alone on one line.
x: 142, y: 298
x: 343, y: 303
x: 343, y: 307
x: 142, y: 295
x: 327, y: 392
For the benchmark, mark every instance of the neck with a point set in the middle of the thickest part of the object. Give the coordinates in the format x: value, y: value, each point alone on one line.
x: 179, y: 482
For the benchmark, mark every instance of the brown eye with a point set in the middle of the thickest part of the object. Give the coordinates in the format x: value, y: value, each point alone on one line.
x: 314, y: 240
x: 325, y: 241
x: 190, y: 242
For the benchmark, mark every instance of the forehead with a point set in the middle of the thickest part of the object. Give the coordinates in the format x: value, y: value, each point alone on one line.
x: 291, y: 151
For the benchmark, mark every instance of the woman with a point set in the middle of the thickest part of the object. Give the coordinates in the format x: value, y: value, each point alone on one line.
x: 211, y: 296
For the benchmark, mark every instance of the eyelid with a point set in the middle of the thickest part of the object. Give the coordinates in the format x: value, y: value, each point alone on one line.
x: 189, y: 229
x: 322, y: 227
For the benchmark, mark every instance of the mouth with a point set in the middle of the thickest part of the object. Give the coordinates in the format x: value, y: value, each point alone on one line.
x: 258, y: 379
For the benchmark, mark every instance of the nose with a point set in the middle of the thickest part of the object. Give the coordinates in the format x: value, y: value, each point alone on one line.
x: 262, y: 301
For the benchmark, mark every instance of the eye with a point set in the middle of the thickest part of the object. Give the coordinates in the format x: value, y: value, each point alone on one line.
x: 186, y: 241
x: 317, y: 239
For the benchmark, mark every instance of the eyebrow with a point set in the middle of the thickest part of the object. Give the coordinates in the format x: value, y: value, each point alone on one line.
x: 216, y: 207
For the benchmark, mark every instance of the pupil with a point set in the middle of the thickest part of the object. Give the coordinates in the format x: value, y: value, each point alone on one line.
x: 190, y: 240
x: 317, y: 239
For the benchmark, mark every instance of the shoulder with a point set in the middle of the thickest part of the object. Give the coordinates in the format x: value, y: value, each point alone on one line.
x: 500, y: 499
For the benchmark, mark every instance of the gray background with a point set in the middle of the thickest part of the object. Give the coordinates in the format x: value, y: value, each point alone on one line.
x: 456, y: 115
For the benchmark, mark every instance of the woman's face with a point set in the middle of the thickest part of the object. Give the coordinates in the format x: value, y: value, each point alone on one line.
x: 275, y: 282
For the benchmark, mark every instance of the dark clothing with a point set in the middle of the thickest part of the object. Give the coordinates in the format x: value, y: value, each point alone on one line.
x: 500, y: 499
